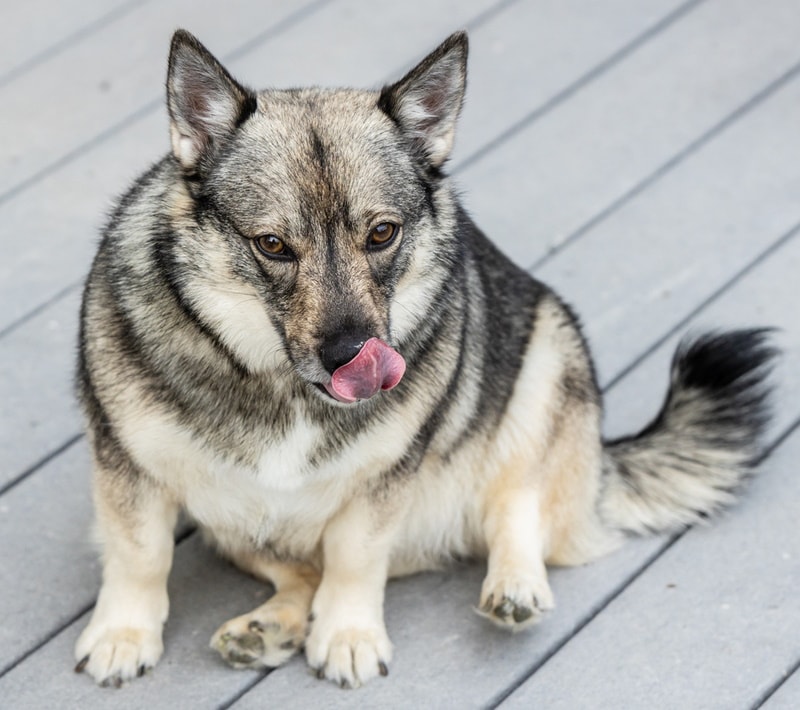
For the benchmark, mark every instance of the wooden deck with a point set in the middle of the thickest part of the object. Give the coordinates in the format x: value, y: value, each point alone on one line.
x: 641, y: 156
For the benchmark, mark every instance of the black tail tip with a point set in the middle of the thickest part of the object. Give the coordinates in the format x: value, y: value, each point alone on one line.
x: 730, y: 369
x: 729, y: 359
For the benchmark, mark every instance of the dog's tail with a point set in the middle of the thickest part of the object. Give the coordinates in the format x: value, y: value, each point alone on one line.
x: 690, y: 460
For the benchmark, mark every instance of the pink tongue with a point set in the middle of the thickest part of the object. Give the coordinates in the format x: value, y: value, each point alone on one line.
x: 376, y: 367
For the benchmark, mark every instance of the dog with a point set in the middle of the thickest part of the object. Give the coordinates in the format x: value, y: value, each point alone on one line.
x: 293, y: 332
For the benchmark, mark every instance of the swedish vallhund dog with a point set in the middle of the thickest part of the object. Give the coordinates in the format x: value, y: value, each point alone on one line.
x: 293, y: 332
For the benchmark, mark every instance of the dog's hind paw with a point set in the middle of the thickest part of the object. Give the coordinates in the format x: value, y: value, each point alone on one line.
x: 268, y: 636
x: 515, y: 603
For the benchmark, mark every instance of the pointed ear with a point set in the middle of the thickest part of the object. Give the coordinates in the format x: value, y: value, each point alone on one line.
x: 206, y: 104
x: 426, y: 102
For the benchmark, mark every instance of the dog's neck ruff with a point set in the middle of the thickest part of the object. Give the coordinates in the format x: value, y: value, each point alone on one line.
x: 376, y: 367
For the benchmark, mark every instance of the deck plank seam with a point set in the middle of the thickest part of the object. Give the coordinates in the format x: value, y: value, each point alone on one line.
x: 47, y: 638
x: 775, y: 687
x: 47, y: 458
x: 43, y: 306
x: 230, y: 702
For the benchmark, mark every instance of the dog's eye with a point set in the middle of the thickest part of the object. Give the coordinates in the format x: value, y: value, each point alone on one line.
x: 273, y: 247
x: 381, y: 235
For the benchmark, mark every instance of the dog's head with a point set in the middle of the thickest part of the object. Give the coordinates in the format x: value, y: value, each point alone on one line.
x: 315, y: 225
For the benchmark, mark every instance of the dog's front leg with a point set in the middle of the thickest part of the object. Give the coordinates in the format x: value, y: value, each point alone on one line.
x: 136, y: 521
x: 348, y: 642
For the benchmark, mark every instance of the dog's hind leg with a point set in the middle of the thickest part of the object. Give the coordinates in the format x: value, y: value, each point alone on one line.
x: 515, y: 592
x: 271, y: 634
x: 135, y: 522
x: 542, y: 507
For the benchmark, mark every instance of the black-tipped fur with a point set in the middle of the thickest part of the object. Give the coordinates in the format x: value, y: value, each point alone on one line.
x: 691, y: 459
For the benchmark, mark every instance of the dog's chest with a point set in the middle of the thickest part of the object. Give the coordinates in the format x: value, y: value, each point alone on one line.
x: 269, y: 490
x: 284, y: 501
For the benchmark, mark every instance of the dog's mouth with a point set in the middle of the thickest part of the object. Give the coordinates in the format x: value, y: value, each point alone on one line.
x: 377, y: 367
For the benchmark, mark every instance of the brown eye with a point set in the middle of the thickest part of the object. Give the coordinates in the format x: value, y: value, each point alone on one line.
x: 381, y: 235
x: 273, y: 247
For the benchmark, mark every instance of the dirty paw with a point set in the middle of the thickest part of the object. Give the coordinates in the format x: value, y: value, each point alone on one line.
x: 350, y: 657
x: 118, y: 655
x: 515, y: 604
x: 262, y: 638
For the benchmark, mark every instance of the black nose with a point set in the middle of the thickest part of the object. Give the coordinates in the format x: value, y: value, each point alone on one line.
x: 341, y: 348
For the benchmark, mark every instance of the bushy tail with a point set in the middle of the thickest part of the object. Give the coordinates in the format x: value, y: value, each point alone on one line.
x: 689, y: 462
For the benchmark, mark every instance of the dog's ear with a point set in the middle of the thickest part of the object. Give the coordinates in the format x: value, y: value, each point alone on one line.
x: 206, y: 104
x: 426, y: 102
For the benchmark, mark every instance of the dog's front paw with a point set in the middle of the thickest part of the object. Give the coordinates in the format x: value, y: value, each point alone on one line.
x: 515, y: 603
x: 348, y: 656
x: 268, y: 636
x: 114, y: 655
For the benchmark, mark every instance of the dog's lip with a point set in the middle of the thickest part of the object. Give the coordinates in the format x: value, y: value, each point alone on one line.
x: 322, y: 388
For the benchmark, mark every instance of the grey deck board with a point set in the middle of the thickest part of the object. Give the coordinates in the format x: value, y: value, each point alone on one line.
x: 34, y: 31
x: 538, y: 53
x: 618, y: 91
x: 36, y: 374
x: 52, y: 571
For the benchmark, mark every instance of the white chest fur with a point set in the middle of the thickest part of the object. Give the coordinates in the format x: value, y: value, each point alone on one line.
x: 282, y: 496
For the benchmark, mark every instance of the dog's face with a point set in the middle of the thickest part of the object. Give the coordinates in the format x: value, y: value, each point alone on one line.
x: 317, y: 203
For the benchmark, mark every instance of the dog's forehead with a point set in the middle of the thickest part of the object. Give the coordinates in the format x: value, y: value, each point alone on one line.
x: 313, y: 152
